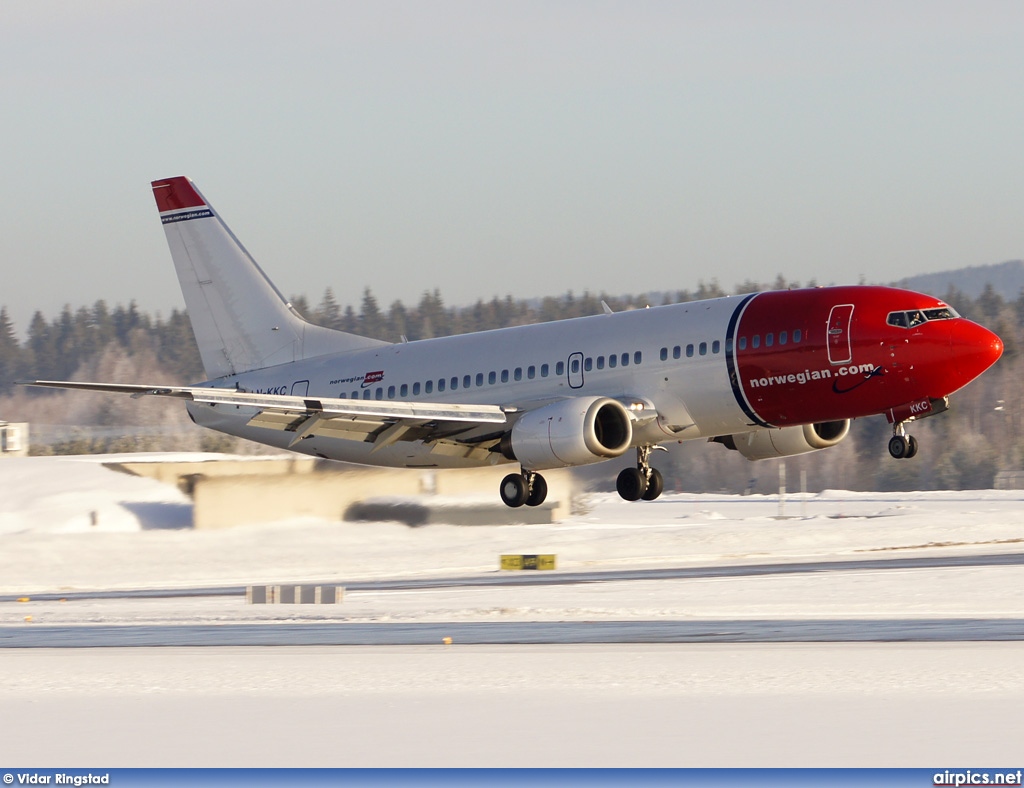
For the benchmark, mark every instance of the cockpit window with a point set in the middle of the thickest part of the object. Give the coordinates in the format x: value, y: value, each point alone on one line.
x: 916, y: 317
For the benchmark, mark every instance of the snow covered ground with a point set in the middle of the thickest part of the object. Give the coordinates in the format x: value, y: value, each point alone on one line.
x: 868, y: 704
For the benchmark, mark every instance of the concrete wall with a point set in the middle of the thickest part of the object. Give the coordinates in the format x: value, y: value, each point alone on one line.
x: 230, y: 492
x: 179, y: 472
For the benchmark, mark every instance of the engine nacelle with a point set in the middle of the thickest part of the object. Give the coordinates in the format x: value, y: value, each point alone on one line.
x: 575, y: 431
x: 787, y: 441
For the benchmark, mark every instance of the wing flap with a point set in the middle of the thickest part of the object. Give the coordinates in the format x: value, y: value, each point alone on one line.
x: 375, y: 411
x: 450, y: 448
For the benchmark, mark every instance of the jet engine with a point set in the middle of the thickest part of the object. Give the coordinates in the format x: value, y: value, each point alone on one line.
x: 575, y: 431
x: 786, y: 441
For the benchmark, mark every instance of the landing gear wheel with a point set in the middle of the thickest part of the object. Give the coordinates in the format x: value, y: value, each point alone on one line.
x: 912, y: 446
x: 513, y: 490
x: 631, y: 484
x: 538, y: 490
x: 899, y: 447
x: 655, y: 485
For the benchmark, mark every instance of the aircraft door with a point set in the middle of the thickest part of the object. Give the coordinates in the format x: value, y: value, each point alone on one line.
x: 839, y: 348
x: 575, y: 370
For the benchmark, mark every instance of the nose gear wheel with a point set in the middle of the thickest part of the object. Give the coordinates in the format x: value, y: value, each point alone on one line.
x: 901, y: 445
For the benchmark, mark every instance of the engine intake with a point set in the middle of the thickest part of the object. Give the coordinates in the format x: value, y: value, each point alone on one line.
x: 575, y: 431
x: 786, y: 441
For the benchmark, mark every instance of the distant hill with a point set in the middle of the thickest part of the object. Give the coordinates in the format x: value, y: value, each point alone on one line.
x: 1006, y: 279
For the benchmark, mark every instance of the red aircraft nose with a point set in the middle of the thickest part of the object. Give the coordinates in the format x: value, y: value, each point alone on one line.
x: 973, y: 349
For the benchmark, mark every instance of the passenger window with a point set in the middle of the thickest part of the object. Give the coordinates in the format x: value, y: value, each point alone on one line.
x: 391, y: 392
x: 504, y: 376
x: 743, y: 343
x: 677, y: 351
x: 366, y: 393
x: 664, y: 354
x: 355, y: 395
x: 637, y: 357
x: 588, y: 364
x: 467, y: 381
x: 543, y: 370
x: 689, y: 351
x: 492, y: 377
x: 440, y: 384
x: 703, y: 348
x: 769, y: 339
x: 404, y: 391
x: 479, y: 379
x: 519, y: 373
x: 716, y: 346
x: 600, y: 362
x: 575, y: 365
x: 428, y: 387
x: 455, y: 384
x: 782, y: 337
x: 531, y: 372
x: 613, y: 362
x: 755, y: 343
x: 560, y: 368
x: 416, y: 388
x: 625, y: 359
x: 797, y: 336
x: 379, y: 393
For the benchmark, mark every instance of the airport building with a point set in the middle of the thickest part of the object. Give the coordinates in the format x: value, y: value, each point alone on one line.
x: 13, y: 439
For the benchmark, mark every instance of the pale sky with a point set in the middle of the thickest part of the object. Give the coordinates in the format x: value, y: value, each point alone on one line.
x: 524, y: 148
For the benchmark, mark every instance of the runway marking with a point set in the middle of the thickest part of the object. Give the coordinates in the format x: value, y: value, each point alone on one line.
x: 570, y: 578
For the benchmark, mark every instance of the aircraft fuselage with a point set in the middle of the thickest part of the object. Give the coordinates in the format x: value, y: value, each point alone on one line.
x: 707, y: 368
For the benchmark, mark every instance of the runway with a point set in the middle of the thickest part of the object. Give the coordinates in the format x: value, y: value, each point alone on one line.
x: 568, y: 578
x: 518, y: 633
x: 309, y: 625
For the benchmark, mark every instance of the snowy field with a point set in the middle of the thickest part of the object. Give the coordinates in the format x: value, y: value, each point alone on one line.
x: 636, y: 704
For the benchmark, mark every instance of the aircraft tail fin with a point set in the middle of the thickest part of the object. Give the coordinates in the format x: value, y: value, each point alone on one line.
x: 240, y: 319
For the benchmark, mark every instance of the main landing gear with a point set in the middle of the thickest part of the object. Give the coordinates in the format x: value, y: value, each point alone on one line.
x: 643, y: 481
x: 526, y: 487
x: 901, y: 445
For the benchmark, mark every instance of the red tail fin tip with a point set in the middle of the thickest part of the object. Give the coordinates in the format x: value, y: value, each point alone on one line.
x: 174, y: 194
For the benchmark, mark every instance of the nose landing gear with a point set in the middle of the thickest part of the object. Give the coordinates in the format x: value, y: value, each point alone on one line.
x: 643, y: 481
x: 901, y: 445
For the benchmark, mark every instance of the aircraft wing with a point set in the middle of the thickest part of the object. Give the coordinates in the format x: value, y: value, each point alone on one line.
x: 379, y: 422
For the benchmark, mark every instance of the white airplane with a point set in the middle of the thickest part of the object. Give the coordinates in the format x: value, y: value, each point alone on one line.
x: 767, y: 374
